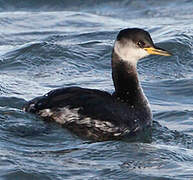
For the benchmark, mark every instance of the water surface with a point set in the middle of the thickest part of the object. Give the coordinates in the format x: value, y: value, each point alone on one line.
x: 52, y: 44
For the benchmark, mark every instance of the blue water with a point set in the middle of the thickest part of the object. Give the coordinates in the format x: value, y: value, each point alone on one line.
x: 51, y: 44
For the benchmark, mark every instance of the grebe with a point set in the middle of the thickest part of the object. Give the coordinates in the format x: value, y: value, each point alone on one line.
x: 96, y: 114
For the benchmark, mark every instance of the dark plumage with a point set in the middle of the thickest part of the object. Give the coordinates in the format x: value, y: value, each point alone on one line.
x: 97, y: 114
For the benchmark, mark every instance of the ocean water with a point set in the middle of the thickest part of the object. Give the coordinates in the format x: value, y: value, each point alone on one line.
x: 51, y: 44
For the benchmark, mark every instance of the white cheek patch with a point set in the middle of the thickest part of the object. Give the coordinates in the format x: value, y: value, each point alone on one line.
x: 129, y: 52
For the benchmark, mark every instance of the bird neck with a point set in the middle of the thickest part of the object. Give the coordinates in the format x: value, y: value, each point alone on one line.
x: 125, y: 78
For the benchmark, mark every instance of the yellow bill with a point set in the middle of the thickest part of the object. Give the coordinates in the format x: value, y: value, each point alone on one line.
x: 157, y: 51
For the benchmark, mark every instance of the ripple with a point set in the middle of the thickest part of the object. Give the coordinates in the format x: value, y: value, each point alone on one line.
x: 52, y: 44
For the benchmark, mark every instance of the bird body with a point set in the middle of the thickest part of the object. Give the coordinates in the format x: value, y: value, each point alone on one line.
x: 91, y: 113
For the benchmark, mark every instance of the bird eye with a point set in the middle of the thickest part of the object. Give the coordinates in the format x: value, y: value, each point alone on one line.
x: 141, y: 44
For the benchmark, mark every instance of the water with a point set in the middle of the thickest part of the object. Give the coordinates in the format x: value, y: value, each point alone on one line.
x: 51, y: 44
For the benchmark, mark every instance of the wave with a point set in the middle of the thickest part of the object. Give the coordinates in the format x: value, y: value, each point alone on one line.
x: 109, y: 8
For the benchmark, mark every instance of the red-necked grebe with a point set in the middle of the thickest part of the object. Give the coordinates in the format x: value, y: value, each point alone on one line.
x: 96, y: 114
